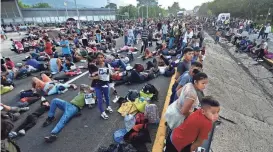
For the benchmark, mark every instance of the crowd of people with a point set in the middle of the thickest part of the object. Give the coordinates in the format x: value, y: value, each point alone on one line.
x: 178, y: 45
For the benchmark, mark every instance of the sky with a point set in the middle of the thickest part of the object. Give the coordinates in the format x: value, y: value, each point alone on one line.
x: 187, y: 4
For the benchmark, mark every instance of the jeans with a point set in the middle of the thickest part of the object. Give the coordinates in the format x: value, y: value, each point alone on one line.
x: 125, y: 40
x: 28, y: 123
x: 171, y: 42
x: 173, y: 96
x: 69, y: 110
x: 100, y: 92
x: 118, y: 63
x: 164, y: 36
x: 98, y: 36
x: 184, y: 44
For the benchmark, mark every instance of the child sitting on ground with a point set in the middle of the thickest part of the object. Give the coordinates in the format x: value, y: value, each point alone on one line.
x: 189, y: 135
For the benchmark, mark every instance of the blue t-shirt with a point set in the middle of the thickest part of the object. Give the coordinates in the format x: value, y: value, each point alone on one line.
x: 185, y: 78
x: 65, y: 50
x: 34, y: 63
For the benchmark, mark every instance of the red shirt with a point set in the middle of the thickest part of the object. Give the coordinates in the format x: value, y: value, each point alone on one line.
x: 10, y: 64
x: 48, y: 48
x: 196, y: 125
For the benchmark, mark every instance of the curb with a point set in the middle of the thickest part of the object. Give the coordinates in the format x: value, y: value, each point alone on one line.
x: 161, y: 131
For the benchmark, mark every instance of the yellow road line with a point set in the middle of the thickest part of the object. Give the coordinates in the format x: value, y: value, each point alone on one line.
x: 161, y: 131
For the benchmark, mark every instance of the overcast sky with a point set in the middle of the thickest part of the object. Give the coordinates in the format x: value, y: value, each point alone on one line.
x: 187, y: 4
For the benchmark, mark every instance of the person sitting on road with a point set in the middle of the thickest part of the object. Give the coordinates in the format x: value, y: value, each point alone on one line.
x: 31, y: 119
x: 70, y: 109
x: 10, y: 64
x: 191, y: 134
x: 12, y: 113
x: 127, y: 49
x: 55, y: 65
x: 70, y: 68
x: 36, y: 64
x: 187, y: 100
x: 186, y: 77
x: 49, y: 87
x: 4, y: 68
x: 182, y: 66
x: 197, y: 57
x: 147, y: 54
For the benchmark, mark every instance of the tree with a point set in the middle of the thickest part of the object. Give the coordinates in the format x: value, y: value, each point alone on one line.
x: 41, y: 5
x: 22, y: 5
x: 174, y: 8
x: 111, y: 5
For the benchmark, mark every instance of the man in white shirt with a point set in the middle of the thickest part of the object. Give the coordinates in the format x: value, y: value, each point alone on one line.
x: 164, y: 31
x: 267, y: 30
x: 187, y: 38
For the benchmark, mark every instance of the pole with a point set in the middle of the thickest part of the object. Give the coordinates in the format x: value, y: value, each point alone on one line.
x: 66, y: 12
x: 267, y: 15
x: 142, y: 13
x: 78, y: 13
x: 147, y: 12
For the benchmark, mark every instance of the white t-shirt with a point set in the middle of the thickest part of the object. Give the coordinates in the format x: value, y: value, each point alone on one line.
x: 268, y: 29
x: 84, y: 36
x: 187, y: 35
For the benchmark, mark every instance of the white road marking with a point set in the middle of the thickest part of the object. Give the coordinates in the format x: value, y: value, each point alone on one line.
x: 77, y: 77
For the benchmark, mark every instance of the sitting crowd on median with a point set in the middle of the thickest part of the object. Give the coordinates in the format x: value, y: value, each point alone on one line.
x: 179, y: 52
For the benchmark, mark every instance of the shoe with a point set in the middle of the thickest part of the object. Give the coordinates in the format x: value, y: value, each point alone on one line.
x: 104, y: 116
x: 139, y: 57
x: 109, y: 109
x: 43, y: 99
x: 115, y: 92
x: 12, y: 134
x: 24, y: 109
x: 48, y: 121
x: 22, y: 132
x: 51, y: 138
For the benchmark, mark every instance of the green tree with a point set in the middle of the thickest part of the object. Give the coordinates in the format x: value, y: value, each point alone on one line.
x: 41, y: 5
x: 174, y: 8
x: 22, y: 5
x: 111, y: 5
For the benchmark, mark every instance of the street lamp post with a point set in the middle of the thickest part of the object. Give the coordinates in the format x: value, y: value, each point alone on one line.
x: 78, y: 13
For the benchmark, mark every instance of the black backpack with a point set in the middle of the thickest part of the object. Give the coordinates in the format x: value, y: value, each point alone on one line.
x: 149, y: 88
x: 132, y: 95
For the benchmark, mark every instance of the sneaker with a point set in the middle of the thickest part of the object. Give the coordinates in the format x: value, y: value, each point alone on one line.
x: 109, y: 109
x: 12, y: 134
x: 48, y: 121
x: 115, y: 92
x: 51, y: 138
x: 43, y: 99
x: 139, y: 57
x: 22, y: 132
x: 104, y: 116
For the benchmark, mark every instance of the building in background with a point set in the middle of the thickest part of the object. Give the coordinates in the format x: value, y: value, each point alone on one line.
x: 12, y: 13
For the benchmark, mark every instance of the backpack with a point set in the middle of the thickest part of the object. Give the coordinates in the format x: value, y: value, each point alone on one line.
x: 28, y: 93
x: 140, y: 118
x: 151, y: 113
x: 119, y: 134
x: 129, y: 121
x: 139, y: 67
x: 138, y: 134
x: 149, y: 88
x: 132, y: 95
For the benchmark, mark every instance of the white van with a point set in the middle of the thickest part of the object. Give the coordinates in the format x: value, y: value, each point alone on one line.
x: 223, y: 16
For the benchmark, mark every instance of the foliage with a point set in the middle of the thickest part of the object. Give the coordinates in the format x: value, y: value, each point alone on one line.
x: 111, y: 5
x: 249, y: 9
x: 135, y: 12
x: 38, y: 5
x: 175, y: 8
x: 22, y: 5
x: 41, y: 5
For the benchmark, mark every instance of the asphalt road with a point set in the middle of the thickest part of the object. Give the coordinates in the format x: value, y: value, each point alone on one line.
x: 84, y: 133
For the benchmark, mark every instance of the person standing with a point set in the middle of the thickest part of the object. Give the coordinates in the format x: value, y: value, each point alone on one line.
x: 267, y: 30
x: 100, y: 74
x: 65, y: 47
x: 164, y: 31
x: 261, y: 32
